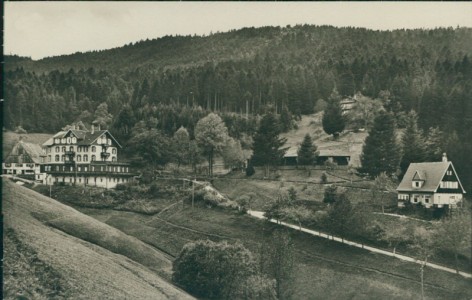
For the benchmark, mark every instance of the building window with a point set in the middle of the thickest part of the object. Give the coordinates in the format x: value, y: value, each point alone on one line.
x: 85, y: 157
x: 71, y: 148
x: 94, y: 149
x: 85, y: 169
x: 113, y: 158
x: 57, y: 149
x: 113, y: 151
x: 449, y: 173
x: 93, y: 157
x: 63, y: 148
x: 74, y: 140
x: 57, y: 157
x: 426, y: 200
x: 63, y: 157
x: 79, y: 169
x: 79, y: 158
x: 68, y: 140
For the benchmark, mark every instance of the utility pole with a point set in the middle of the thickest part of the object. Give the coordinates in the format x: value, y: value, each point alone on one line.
x: 193, y: 192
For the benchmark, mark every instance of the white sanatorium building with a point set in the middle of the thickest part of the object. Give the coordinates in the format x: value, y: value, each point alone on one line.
x: 83, y: 157
x: 433, y: 184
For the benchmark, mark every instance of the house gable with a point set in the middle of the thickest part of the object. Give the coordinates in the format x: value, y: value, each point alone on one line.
x: 450, y: 182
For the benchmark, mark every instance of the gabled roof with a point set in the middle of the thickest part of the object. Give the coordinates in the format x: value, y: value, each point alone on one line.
x: 420, y: 175
x: 431, y: 172
x: 333, y: 152
x: 34, y: 151
x: 84, y: 137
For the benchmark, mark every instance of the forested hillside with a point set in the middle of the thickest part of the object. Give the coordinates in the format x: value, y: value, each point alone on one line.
x: 176, y: 80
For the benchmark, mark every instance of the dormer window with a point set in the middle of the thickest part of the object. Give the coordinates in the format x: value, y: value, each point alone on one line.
x: 449, y: 173
x: 417, y: 184
x: 74, y: 140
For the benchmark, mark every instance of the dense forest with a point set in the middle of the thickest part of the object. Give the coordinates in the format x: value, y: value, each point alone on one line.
x: 179, y: 79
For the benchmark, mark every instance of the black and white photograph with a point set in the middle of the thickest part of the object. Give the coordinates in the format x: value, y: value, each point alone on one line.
x: 237, y: 150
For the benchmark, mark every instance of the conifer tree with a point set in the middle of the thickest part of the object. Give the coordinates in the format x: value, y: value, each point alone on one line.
x: 381, y: 152
x: 412, y: 142
x: 267, y: 147
x: 434, y: 144
x: 333, y: 119
x: 306, y: 152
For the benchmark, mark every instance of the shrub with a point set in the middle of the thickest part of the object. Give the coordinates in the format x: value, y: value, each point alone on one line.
x: 250, y: 170
x: 213, y: 270
x: 324, y: 178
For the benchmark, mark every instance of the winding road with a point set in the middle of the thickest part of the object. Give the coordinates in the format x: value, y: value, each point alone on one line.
x: 260, y: 215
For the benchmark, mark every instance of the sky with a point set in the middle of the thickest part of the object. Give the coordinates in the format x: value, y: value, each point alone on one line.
x: 41, y: 29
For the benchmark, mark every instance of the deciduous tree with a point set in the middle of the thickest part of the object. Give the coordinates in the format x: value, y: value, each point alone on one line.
x: 211, y: 134
x: 214, y: 270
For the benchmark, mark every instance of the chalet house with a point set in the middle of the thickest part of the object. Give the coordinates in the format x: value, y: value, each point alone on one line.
x: 83, y: 157
x: 433, y: 184
x: 25, y: 160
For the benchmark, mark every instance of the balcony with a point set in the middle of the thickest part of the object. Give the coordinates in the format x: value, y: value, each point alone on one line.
x: 105, y: 155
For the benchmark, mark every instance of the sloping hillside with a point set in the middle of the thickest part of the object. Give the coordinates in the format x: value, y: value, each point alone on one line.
x: 54, y: 251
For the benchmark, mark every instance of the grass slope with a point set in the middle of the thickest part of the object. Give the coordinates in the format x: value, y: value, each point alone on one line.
x: 324, y: 269
x: 54, y: 251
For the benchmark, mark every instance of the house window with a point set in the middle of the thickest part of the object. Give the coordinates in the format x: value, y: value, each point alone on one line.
x: 57, y: 149
x: 426, y: 200
x: 71, y: 148
x: 449, y: 173
x: 57, y: 157
x: 63, y: 148
x: 63, y: 157
x: 68, y: 140
x: 74, y: 140
x: 85, y: 169
x: 93, y: 157
x: 85, y: 157
x: 417, y: 184
x: 113, y: 151
x: 94, y: 149
x: 79, y: 169
x: 113, y: 158
x: 415, y: 199
x: 79, y: 158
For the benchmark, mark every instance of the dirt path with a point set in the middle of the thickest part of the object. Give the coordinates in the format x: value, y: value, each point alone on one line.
x: 260, y: 215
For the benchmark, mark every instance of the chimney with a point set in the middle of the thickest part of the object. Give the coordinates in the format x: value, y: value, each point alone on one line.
x: 444, y: 158
x: 93, y: 128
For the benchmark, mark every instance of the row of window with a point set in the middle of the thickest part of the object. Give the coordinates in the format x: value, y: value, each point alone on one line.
x: 86, y: 180
x: 449, y: 185
x: 19, y: 165
x: 79, y: 158
x: 69, y: 140
x: 115, y: 169
x: 79, y: 149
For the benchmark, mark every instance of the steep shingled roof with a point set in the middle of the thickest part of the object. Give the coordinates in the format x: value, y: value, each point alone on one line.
x: 431, y: 172
x: 84, y: 137
x: 31, y: 152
